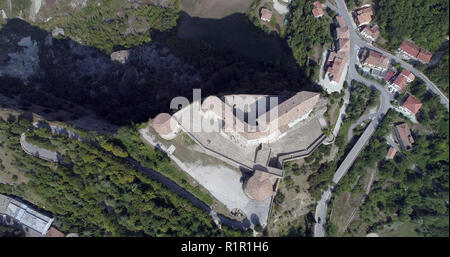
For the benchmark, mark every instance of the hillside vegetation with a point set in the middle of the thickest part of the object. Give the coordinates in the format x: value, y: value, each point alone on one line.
x: 423, y: 21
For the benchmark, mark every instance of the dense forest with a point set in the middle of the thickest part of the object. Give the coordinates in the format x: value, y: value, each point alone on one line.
x: 95, y: 191
x: 304, y: 33
x: 439, y: 72
x: 423, y: 21
x: 113, y: 25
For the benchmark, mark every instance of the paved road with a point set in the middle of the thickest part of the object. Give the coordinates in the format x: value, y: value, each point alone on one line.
x: 363, y: 118
x: 355, y: 44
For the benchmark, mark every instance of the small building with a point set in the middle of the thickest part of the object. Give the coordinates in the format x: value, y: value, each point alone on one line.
x: 165, y: 125
x: 266, y: 14
x: 318, y: 9
x: 389, y: 75
x: 374, y: 60
x: 411, y: 51
x: 401, y: 81
x: 336, y: 66
x: 391, y: 153
x: 53, y: 232
x: 404, y: 137
x: 25, y: 215
x: 363, y: 15
x: 411, y: 105
x: 370, y: 32
x: 260, y: 186
x: 340, y: 21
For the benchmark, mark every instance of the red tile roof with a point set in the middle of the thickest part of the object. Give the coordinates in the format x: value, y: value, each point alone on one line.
x: 408, y: 74
x: 409, y: 48
x: 259, y: 186
x: 389, y: 75
x: 266, y: 14
x: 364, y: 15
x: 401, y: 82
x: 412, y: 104
x: 317, y: 11
x: 404, y: 135
x: 374, y: 58
x: 340, y: 20
x: 317, y: 4
x: 373, y: 31
x: 391, y: 153
x: 424, y: 56
x: 53, y: 232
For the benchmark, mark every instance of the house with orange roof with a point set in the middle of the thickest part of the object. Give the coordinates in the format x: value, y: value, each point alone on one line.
x: 363, y: 16
x: 411, y: 106
x: 318, y: 9
x: 404, y: 136
x: 410, y: 51
x: 391, y: 153
x: 401, y: 81
x: 266, y: 14
x: 370, y: 32
x: 374, y: 60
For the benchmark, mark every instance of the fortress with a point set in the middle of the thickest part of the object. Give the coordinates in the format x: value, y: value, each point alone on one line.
x: 252, y: 132
x: 233, y: 120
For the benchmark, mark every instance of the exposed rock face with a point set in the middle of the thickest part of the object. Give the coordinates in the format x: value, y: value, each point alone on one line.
x: 57, y: 31
x: 78, y: 3
x: 34, y: 9
x: 120, y: 56
x: 22, y: 63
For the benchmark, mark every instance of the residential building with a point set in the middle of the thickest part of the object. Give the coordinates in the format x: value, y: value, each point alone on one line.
x: 391, y: 153
x: 373, y: 60
x: 411, y: 51
x: 411, y: 105
x: 370, y: 32
x: 25, y: 215
x: 401, y: 81
x: 404, y: 137
x: 337, y: 60
x: 266, y: 14
x: 389, y: 75
x: 363, y: 16
x: 318, y: 9
x: 53, y: 232
x: 340, y: 21
x: 336, y: 65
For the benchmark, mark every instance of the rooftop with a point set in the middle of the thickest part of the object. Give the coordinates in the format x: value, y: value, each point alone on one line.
x: 409, y: 48
x: 415, y: 51
x: 340, y: 20
x: 363, y: 15
x: 412, y: 104
x: 372, y: 31
x: 408, y: 75
x: 401, y: 82
x: 259, y: 186
x: 266, y: 14
x: 389, y: 75
x: 391, y: 152
x: 404, y: 135
x: 374, y: 58
x: 424, y: 56
x: 25, y: 215
x: 317, y: 11
x: 164, y: 124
